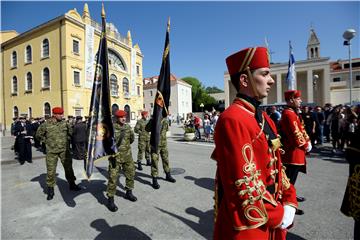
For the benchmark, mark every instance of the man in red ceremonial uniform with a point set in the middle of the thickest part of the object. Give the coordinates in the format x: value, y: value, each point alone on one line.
x: 253, y: 197
x: 294, y: 138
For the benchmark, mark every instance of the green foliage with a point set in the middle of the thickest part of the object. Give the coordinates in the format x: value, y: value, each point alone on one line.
x: 199, y: 95
x: 213, y: 89
x: 189, y: 130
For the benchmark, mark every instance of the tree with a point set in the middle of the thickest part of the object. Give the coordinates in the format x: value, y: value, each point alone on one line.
x: 213, y: 89
x: 199, y: 95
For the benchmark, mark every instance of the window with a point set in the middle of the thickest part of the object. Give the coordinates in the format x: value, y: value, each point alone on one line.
x: 28, y: 86
x: 77, y: 112
x: 45, y: 48
x: 113, y: 85
x: 76, y: 78
x: 337, y: 79
x: 47, y: 109
x: 357, y: 77
x: 150, y: 93
x: 14, y: 85
x: 137, y: 70
x: 16, y: 112
x: 144, y: 106
x: 126, y: 86
x: 28, y: 54
x: 46, y: 78
x: 138, y: 90
x: 13, y: 59
x: 115, y: 60
x: 75, y: 46
x: 151, y: 105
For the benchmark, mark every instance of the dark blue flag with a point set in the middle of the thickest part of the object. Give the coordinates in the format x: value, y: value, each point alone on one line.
x: 162, y: 97
x: 101, y: 140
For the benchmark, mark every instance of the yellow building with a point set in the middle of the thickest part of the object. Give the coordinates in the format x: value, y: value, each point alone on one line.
x: 53, y: 65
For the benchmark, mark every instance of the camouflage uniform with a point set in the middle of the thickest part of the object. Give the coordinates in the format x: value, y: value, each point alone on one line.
x: 123, y: 159
x: 162, y: 150
x: 56, y: 135
x: 144, y: 140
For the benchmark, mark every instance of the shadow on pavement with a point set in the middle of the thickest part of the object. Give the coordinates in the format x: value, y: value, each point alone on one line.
x: 325, y: 153
x: 95, y: 187
x: 206, y: 220
x: 116, y: 232
x: 207, y: 183
x: 292, y: 236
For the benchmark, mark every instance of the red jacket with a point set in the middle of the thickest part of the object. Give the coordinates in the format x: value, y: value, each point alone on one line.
x: 246, y: 168
x: 294, y: 138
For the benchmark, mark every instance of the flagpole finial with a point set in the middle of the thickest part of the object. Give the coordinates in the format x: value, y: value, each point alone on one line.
x: 168, y: 24
x: 102, y: 10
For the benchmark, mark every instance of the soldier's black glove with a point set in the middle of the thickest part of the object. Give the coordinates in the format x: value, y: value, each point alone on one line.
x: 112, y: 161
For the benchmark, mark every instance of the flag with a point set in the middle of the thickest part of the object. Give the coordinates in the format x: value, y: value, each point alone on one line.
x: 162, y: 96
x: 101, y: 140
x: 291, y: 75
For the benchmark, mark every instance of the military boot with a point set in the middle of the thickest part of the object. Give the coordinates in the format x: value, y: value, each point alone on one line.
x: 169, y: 178
x: 74, y: 187
x: 155, y: 184
x: 148, y: 162
x: 111, y: 205
x: 130, y: 196
x: 139, y: 166
x: 50, y: 193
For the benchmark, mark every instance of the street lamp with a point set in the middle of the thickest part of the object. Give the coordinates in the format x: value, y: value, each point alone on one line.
x: 202, y: 106
x: 315, y: 84
x: 348, y: 35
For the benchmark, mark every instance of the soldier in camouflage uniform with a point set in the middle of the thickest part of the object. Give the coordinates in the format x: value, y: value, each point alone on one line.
x: 163, y: 152
x: 124, y: 136
x: 144, y: 140
x: 55, y: 133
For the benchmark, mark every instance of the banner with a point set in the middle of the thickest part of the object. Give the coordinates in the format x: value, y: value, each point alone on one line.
x: 89, y: 56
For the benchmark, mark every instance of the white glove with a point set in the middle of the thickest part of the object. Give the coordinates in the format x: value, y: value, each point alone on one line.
x: 309, y: 147
x: 288, y: 218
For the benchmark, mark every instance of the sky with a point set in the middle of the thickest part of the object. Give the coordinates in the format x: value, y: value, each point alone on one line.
x: 204, y: 33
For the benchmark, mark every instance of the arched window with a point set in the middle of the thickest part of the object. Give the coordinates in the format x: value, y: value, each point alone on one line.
x: 125, y: 86
x: 114, y: 108
x: 14, y: 85
x: 16, y: 112
x: 316, y: 52
x: 28, y: 54
x: 14, y: 59
x: 46, y: 78
x: 28, y: 86
x: 113, y: 85
x: 45, y: 48
x: 127, y: 110
x: 47, y: 110
x: 312, y: 52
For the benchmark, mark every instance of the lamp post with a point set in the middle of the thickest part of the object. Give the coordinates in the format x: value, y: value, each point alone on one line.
x: 348, y: 35
x: 315, y: 84
x: 202, y: 106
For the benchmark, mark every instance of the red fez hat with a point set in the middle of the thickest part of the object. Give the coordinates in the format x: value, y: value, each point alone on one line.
x: 254, y: 58
x: 292, y: 94
x: 120, y: 113
x: 144, y: 113
x: 57, y: 110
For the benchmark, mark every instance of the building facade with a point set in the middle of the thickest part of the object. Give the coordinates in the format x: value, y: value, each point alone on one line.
x: 53, y: 65
x: 180, y: 98
x: 340, y: 85
x: 312, y: 78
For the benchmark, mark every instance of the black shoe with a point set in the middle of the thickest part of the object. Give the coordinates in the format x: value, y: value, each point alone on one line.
x: 155, y: 184
x: 299, y: 212
x: 130, y: 196
x: 74, y: 187
x: 169, y: 178
x: 148, y: 163
x: 29, y: 161
x: 139, y: 166
x: 111, y: 205
x: 300, y: 199
x: 50, y: 193
x: 22, y: 162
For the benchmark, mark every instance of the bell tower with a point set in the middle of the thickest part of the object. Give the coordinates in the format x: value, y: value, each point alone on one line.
x: 313, y: 46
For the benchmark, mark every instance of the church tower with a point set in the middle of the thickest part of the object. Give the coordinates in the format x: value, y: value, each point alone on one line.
x: 313, y: 46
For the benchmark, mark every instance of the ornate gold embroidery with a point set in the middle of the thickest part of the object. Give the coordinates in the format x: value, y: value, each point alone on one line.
x: 276, y: 144
x: 354, y: 193
x: 284, y: 179
x: 299, y: 134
